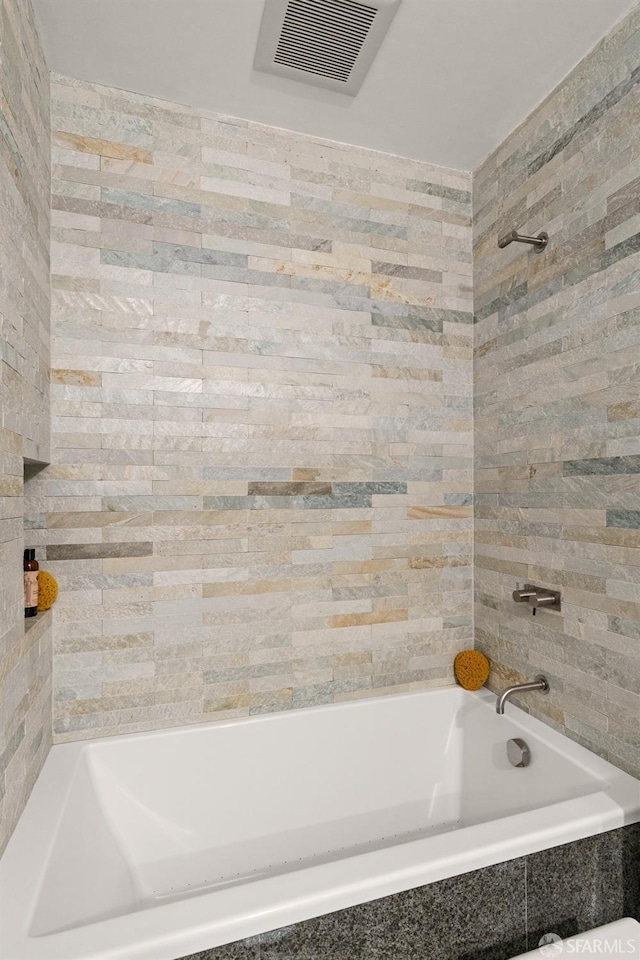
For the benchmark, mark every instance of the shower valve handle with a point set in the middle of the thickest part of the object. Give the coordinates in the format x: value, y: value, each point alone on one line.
x: 523, y: 596
x: 537, y: 597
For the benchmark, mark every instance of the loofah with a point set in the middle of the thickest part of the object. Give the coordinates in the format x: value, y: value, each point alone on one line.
x: 471, y: 669
x: 47, y: 590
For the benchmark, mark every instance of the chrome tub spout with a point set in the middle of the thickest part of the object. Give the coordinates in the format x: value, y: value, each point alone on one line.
x: 540, y: 683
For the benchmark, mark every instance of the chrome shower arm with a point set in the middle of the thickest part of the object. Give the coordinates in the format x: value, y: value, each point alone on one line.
x: 538, y: 242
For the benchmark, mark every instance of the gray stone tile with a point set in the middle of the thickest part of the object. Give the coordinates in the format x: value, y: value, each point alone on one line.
x: 407, y: 273
x: 97, y: 551
x: 262, y: 488
x: 624, y: 518
x: 149, y: 203
x: 601, y: 466
x: 437, y: 190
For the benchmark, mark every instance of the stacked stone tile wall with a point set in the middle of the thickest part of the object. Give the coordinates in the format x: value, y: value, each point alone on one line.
x: 261, y: 489
x: 260, y: 495
x: 25, y: 657
x: 557, y: 416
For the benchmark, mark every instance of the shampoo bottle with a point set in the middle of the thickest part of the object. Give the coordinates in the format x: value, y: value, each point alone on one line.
x: 30, y: 567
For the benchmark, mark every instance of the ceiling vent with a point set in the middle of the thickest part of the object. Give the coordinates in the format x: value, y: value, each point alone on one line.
x: 327, y: 43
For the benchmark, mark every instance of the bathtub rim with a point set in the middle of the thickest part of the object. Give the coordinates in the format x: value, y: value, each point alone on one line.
x: 278, y: 901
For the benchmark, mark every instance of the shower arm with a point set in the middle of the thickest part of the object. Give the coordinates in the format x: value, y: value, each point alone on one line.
x: 538, y: 242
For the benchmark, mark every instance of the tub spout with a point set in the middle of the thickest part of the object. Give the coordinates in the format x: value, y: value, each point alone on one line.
x: 540, y: 683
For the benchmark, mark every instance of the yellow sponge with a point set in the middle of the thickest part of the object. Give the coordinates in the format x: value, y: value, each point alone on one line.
x: 47, y: 590
x: 471, y: 669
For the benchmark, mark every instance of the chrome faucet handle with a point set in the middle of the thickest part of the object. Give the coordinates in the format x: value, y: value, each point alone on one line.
x: 537, y: 597
x: 522, y: 596
x: 542, y: 598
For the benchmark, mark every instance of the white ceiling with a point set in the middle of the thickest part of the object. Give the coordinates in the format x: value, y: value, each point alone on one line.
x: 452, y: 79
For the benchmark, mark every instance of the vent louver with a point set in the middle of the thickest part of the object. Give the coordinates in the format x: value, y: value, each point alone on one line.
x: 328, y: 43
x: 324, y: 37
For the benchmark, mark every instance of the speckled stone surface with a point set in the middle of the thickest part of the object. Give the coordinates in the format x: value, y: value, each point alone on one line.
x: 479, y: 914
x: 583, y: 885
x: 491, y: 914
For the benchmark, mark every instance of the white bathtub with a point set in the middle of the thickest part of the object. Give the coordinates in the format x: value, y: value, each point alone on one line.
x: 155, y: 846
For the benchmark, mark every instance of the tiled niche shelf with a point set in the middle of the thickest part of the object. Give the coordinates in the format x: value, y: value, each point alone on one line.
x: 38, y: 623
x: 34, y: 626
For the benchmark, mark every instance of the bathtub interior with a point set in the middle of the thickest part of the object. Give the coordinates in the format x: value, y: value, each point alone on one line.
x: 160, y: 817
